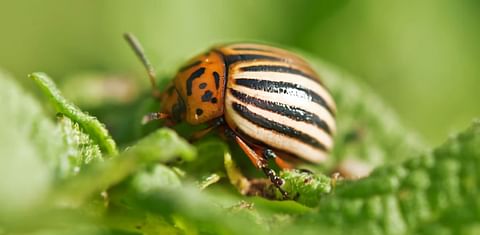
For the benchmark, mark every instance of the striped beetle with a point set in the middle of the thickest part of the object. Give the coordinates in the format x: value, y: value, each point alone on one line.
x: 268, y: 100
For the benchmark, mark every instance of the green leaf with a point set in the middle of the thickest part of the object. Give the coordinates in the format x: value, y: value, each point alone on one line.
x: 81, y: 148
x: 30, y: 147
x: 161, y: 146
x: 89, y: 124
x: 209, y: 180
x: 206, y: 213
x: 435, y: 192
x: 414, y: 193
x: 305, y: 187
x: 211, y: 152
x: 154, y: 178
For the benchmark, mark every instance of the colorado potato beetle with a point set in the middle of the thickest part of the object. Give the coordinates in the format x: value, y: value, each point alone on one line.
x: 268, y: 100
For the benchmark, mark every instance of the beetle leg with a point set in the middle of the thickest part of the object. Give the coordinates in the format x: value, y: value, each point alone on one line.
x: 283, y: 164
x: 261, y: 163
x: 251, y: 154
x: 201, y: 133
x: 270, y: 154
x: 154, y: 116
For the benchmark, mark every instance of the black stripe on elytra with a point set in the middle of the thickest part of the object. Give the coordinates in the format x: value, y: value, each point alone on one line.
x: 188, y: 66
x: 192, y: 77
x: 284, y: 88
x: 277, y: 127
x: 234, y: 58
x: 288, y: 155
x: 278, y: 69
x: 250, y: 49
x: 289, y: 111
x: 216, y: 77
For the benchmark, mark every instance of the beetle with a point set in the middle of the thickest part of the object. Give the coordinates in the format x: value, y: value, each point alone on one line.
x: 268, y: 100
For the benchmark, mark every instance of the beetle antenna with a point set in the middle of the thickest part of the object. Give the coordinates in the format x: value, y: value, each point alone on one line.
x: 138, y: 49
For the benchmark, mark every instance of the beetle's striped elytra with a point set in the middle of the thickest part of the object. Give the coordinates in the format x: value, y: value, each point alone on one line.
x: 269, y: 100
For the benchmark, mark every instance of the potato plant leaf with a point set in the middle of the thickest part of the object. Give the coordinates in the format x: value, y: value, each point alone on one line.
x: 162, y: 146
x: 81, y: 149
x: 30, y: 147
x: 138, y: 191
x: 89, y: 124
x: 425, y: 195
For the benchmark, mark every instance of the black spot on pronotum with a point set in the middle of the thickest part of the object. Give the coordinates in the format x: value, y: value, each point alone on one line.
x: 202, y: 85
x: 214, y: 100
x: 217, y: 79
x: 192, y: 77
x: 199, y: 112
x: 207, y: 96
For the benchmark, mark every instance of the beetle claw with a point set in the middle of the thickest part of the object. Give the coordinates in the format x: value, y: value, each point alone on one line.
x: 276, y: 180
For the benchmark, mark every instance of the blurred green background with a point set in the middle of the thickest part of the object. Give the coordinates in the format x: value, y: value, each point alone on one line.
x: 422, y: 57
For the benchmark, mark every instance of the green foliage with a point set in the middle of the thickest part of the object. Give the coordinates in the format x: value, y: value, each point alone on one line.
x: 307, y: 188
x: 162, y: 146
x: 31, y: 145
x: 65, y: 175
x: 96, y: 130
x: 435, y: 192
x: 81, y: 149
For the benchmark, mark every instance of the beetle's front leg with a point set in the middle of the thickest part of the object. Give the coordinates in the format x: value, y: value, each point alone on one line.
x: 154, y: 116
x: 201, y: 133
x: 261, y: 163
